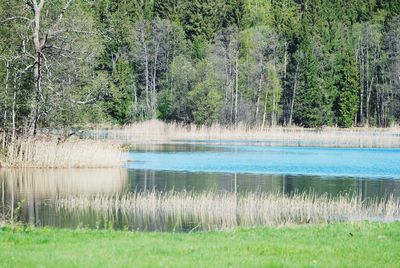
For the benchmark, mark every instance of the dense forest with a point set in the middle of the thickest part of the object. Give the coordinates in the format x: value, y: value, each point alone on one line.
x: 256, y: 62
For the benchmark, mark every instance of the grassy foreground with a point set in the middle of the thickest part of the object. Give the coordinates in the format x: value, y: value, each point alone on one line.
x: 337, y: 245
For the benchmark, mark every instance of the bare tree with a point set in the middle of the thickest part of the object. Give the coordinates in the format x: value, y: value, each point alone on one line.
x: 265, y: 82
x: 60, y: 45
x: 154, y: 44
x: 293, y: 97
x: 225, y: 56
x: 392, y: 44
x: 368, y: 49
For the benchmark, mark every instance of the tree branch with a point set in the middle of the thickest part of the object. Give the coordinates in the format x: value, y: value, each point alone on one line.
x: 61, y: 15
x: 88, y: 100
x: 53, y: 33
x: 30, y: 4
x: 16, y: 18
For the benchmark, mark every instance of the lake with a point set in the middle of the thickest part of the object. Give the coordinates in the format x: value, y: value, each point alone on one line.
x: 200, y: 166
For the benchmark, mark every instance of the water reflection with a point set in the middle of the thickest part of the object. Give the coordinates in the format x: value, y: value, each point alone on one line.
x: 36, y: 189
x: 244, y: 183
x: 39, y: 188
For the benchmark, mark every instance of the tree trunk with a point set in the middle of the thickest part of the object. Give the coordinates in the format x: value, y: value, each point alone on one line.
x: 146, y: 67
x: 369, y: 88
x: 232, y: 92
x: 258, y: 97
x: 293, y: 95
x: 361, y: 101
x: 14, y: 114
x: 260, y: 82
x: 265, y: 111
x: 273, y: 112
x: 5, y: 105
x: 285, y: 61
x: 37, y: 73
x: 153, y: 93
x: 236, y: 89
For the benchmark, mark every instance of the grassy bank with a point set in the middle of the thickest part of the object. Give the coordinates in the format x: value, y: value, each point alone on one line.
x: 338, y: 245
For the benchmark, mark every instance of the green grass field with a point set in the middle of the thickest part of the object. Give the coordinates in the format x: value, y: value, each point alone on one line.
x: 338, y: 245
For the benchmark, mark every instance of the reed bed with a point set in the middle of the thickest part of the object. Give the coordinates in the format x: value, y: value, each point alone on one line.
x: 51, y: 153
x: 155, y: 130
x: 188, y: 211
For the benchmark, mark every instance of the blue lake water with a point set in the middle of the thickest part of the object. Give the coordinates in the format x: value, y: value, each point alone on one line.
x: 199, y: 167
x: 336, y: 162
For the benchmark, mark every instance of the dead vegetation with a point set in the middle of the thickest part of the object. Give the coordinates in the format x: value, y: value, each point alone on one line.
x: 153, y: 210
x: 157, y: 131
x: 53, y: 152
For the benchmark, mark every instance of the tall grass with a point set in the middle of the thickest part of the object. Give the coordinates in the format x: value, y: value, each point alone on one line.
x: 224, y: 210
x: 53, y: 153
x: 154, y: 130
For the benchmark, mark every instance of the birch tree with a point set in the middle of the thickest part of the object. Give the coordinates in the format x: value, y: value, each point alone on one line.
x: 63, y: 43
x: 154, y: 44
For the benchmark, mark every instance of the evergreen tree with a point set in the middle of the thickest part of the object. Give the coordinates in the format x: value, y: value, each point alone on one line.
x: 346, y: 103
x: 123, y: 61
x: 309, y: 101
x: 168, y: 9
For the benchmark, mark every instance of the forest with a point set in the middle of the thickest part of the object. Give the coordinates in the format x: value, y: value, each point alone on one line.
x: 260, y: 63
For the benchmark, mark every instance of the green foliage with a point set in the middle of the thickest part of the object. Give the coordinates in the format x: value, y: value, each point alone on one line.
x: 309, y: 100
x: 234, y: 10
x: 122, y: 61
x: 347, y: 88
x: 205, y: 100
x: 166, y: 106
x: 201, y: 18
x: 256, y: 13
x: 174, y: 103
x: 206, y: 103
x: 168, y: 9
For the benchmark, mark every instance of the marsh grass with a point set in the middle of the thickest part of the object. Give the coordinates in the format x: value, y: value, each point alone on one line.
x: 189, y: 211
x: 155, y: 130
x: 50, y: 152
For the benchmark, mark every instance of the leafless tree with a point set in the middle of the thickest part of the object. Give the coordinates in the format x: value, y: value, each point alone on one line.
x: 154, y: 44
x: 225, y: 56
x: 58, y: 49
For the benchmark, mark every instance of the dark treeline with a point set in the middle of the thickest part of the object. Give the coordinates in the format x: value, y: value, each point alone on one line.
x: 257, y: 62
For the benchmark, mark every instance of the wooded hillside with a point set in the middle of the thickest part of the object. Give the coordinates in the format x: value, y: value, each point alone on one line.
x: 258, y: 62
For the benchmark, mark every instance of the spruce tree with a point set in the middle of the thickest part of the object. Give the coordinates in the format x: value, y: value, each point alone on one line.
x: 346, y: 104
x: 309, y: 100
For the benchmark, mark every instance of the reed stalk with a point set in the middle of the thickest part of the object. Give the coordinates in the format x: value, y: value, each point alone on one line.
x: 187, y: 210
x: 53, y: 153
x: 154, y: 130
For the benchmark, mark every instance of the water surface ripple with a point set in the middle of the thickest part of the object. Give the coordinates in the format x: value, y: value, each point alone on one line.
x: 339, y: 162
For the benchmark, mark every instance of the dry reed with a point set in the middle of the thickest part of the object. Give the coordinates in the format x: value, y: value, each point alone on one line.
x: 152, y: 131
x: 213, y: 211
x: 51, y: 153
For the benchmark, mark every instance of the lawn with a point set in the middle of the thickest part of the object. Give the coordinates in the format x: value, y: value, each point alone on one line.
x: 337, y: 245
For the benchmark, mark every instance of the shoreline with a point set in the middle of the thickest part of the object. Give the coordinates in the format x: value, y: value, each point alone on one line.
x: 157, y: 132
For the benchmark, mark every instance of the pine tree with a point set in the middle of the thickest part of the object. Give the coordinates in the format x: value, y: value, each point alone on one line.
x: 168, y: 9
x: 309, y: 101
x: 346, y: 104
